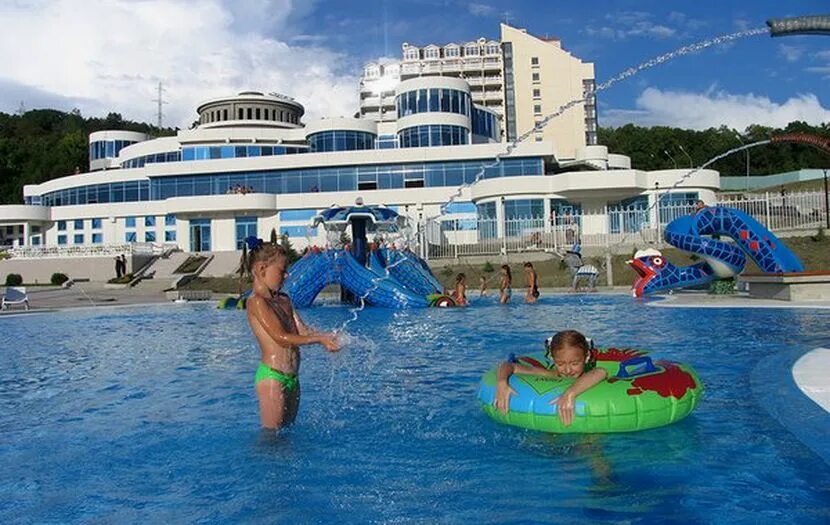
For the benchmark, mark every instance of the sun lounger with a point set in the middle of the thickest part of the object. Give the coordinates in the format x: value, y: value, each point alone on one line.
x: 15, y: 295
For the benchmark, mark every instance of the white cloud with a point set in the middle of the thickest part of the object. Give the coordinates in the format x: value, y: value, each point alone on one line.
x: 626, y: 24
x: 790, y: 53
x: 477, y: 9
x: 688, y: 110
x: 110, y: 56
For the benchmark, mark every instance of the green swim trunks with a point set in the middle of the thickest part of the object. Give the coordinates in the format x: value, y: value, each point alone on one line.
x: 288, y: 381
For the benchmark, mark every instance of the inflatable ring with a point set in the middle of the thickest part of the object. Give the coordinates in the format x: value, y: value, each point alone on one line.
x: 638, y: 394
x: 440, y: 301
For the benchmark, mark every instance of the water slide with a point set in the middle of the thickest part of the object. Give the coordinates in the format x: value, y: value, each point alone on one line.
x: 412, y: 272
x: 382, y: 291
x: 308, y: 276
x: 720, y: 259
x: 405, y: 286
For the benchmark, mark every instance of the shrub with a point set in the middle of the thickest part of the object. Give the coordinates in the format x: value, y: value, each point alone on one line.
x: 487, y: 268
x: 447, y: 271
x: 59, y: 278
x: 14, y: 279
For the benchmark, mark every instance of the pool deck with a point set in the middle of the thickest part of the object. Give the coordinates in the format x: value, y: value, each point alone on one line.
x: 810, y: 373
x: 692, y: 299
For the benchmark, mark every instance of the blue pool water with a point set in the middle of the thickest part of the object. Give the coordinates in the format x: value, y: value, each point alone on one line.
x: 149, y: 415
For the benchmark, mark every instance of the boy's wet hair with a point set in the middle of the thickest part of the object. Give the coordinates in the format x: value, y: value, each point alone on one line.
x: 566, y: 338
x: 528, y: 265
x: 459, y: 277
x: 259, y: 251
x: 507, y: 269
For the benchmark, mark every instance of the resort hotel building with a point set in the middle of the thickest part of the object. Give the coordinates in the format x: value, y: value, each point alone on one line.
x: 426, y: 126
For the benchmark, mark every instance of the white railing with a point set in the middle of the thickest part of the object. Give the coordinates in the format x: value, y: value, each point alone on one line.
x: 618, y: 230
x: 97, y: 250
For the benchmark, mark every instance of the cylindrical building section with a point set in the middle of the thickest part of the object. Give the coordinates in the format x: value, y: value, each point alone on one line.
x: 104, y: 146
x: 341, y: 134
x: 485, y: 124
x: 433, y: 111
x: 251, y: 109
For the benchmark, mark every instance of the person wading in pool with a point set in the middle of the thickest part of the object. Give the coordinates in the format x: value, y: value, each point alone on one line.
x: 505, y: 284
x: 570, y: 354
x: 532, y: 284
x: 280, y: 332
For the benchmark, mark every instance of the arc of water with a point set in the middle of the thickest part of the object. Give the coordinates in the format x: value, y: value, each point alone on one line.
x: 645, y: 212
x: 685, y: 50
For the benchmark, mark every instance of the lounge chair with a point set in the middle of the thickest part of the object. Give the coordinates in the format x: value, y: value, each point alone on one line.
x: 15, y: 295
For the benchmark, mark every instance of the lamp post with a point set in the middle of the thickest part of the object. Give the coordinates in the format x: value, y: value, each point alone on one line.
x: 671, y: 158
x: 826, y: 202
x: 687, y: 156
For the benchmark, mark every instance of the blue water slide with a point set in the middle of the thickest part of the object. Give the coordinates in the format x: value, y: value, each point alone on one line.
x: 692, y: 233
x: 381, y: 291
x: 407, y: 268
x: 308, y: 276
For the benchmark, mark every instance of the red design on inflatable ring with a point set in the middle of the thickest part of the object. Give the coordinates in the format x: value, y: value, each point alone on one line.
x: 674, y: 382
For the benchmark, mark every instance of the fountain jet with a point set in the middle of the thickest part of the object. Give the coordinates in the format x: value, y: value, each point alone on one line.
x: 800, y: 25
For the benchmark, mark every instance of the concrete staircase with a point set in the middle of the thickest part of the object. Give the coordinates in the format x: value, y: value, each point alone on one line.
x: 164, y: 268
x: 224, y: 264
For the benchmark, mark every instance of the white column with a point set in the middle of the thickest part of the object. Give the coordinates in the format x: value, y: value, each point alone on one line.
x: 25, y: 234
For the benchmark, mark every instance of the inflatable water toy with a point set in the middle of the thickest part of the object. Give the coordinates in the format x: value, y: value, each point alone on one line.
x: 721, y: 260
x: 234, y: 301
x: 638, y: 394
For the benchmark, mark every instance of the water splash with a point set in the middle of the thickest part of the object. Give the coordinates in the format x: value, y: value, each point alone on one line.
x: 628, y: 73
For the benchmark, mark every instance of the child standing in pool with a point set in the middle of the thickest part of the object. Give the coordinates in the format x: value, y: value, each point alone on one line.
x: 459, y: 294
x: 280, y: 332
x: 532, y: 285
x: 505, y: 284
x: 482, y: 287
x: 570, y: 354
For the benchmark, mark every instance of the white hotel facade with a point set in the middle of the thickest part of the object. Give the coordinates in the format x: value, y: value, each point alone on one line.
x: 252, y: 164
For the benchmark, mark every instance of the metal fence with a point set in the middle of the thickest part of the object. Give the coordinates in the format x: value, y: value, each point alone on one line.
x: 618, y: 229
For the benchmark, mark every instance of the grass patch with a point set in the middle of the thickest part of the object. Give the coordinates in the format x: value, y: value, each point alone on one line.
x: 191, y: 264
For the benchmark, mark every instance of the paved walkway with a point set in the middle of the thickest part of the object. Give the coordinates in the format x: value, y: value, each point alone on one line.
x: 811, y: 372
x: 47, y: 298
x: 692, y: 299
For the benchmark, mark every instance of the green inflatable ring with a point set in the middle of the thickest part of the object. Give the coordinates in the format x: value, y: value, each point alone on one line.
x: 638, y: 394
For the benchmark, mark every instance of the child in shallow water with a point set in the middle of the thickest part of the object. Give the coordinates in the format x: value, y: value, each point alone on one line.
x: 570, y: 354
x: 459, y: 294
x: 280, y: 332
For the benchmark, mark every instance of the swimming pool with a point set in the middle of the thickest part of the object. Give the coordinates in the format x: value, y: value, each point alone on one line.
x: 149, y: 414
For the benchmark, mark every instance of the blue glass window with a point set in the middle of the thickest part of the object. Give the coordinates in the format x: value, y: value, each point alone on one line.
x: 432, y: 135
x: 245, y: 227
x: 96, y: 224
x: 97, y: 238
x: 61, y: 239
x: 79, y: 224
x: 433, y: 100
x: 170, y: 236
x: 150, y: 220
x: 62, y: 226
x: 79, y: 238
x: 130, y: 222
x: 149, y: 236
x: 129, y: 237
x: 169, y: 220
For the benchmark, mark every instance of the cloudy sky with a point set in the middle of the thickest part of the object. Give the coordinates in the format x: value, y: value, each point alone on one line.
x: 109, y: 55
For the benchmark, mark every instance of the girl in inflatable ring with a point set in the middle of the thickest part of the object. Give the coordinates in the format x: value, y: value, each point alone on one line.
x: 570, y: 353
